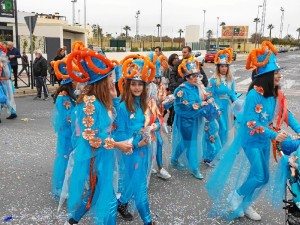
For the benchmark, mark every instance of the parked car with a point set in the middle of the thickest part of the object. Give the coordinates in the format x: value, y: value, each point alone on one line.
x: 210, y: 56
x: 282, y: 49
x: 294, y: 49
x: 198, y: 55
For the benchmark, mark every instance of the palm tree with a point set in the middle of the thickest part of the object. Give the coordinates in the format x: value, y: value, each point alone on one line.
x: 222, y: 24
x: 256, y: 21
x: 209, y: 34
x: 180, y: 32
x: 298, y: 30
x: 270, y: 27
x: 126, y: 28
x: 158, y: 26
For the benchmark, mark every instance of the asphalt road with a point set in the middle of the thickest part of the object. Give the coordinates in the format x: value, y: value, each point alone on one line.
x: 27, y: 148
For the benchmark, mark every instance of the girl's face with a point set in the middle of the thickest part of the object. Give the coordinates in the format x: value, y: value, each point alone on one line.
x: 193, y: 79
x: 136, y: 87
x: 277, y: 77
x: 110, y: 81
x: 223, y: 69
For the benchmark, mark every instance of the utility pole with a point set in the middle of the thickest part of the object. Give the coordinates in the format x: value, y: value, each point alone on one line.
x: 281, y: 23
x: 263, y: 18
x: 160, y: 38
x: 137, y: 14
x: 16, y: 25
x: 218, y: 32
x: 204, y: 11
x: 84, y: 14
x: 73, y: 13
x: 256, y: 22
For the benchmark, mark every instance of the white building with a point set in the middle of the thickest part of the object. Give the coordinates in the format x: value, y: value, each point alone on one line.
x: 51, y: 32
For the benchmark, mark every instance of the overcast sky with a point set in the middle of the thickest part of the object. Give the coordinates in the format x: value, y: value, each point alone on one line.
x: 112, y: 15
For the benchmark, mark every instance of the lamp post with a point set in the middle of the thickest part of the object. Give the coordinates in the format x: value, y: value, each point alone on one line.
x: 84, y: 14
x: 73, y: 9
x: 204, y: 11
x: 137, y: 14
x: 160, y: 38
x: 218, y: 32
x: 256, y: 22
x: 281, y: 23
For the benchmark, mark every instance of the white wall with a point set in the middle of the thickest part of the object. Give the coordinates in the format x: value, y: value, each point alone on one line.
x: 192, y: 33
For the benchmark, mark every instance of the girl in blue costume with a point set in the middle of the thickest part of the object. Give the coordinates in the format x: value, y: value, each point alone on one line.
x: 6, y: 84
x: 212, y: 142
x: 91, y: 180
x: 188, y: 126
x: 65, y: 102
x: 158, y: 93
x: 132, y: 125
x: 232, y: 183
x: 222, y: 88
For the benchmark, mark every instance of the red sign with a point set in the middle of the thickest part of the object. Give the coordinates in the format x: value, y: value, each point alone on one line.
x: 236, y: 32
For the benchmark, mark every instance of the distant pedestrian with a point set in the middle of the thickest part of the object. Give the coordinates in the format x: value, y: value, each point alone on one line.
x: 40, y: 75
x: 13, y: 54
x: 25, y: 64
x: 59, y: 56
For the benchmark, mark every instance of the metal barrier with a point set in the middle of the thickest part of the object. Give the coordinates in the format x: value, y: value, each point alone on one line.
x: 30, y: 77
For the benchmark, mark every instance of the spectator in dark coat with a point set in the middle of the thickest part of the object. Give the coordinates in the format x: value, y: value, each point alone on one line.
x: 175, y: 78
x: 13, y: 54
x: 40, y: 75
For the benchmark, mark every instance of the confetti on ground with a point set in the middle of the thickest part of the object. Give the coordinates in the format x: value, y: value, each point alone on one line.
x: 8, y: 218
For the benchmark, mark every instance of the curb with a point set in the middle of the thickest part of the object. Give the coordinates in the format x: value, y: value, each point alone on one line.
x: 23, y: 92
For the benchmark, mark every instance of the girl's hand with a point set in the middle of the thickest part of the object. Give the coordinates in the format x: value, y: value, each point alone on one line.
x: 142, y: 143
x: 154, y: 126
x: 124, y: 147
x: 204, y: 103
x: 281, y: 136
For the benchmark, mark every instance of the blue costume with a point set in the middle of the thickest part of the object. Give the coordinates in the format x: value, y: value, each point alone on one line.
x: 135, y: 168
x: 188, y: 126
x: 157, y: 94
x: 6, y: 86
x: 212, y: 142
x: 241, y: 175
x: 64, y: 106
x: 224, y: 94
x: 61, y: 121
x: 91, y: 164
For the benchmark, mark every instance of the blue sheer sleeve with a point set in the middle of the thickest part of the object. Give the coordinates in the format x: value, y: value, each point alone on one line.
x: 293, y: 123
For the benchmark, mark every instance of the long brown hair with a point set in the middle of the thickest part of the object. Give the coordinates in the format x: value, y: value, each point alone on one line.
x: 67, y: 88
x: 128, y: 97
x: 101, y: 91
x: 217, y: 75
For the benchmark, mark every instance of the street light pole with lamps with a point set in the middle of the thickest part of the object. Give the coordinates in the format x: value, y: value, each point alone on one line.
x: 137, y: 14
x: 281, y: 23
x: 204, y: 11
x: 256, y: 21
x: 218, y: 32
x: 160, y: 38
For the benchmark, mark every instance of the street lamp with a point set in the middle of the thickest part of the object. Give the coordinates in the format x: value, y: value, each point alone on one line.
x: 218, y: 32
x: 137, y: 14
x: 204, y: 11
x: 281, y: 23
x: 256, y: 21
x: 73, y: 9
x: 160, y: 39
